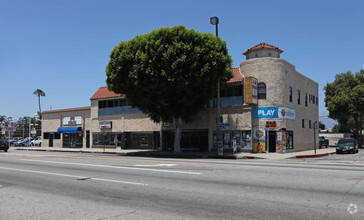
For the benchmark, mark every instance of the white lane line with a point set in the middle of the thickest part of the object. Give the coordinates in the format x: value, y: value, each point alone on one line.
x: 155, y: 165
x: 72, y: 176
x: 116, y: 167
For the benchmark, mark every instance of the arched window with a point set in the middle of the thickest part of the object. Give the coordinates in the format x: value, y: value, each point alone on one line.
x: 299, y: 97
x: 290, y: 94
x: 262, y: 91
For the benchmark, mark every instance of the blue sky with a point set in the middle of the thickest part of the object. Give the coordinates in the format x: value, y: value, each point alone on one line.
x: 63, y: 46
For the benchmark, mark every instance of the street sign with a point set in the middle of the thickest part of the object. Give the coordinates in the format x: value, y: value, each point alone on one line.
x: 223, y: 125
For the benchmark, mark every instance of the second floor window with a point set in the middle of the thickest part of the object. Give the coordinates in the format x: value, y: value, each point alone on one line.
x: 290, y: 94
x: 262, y: 91
x: 306, y: 99
x: 299, y: 97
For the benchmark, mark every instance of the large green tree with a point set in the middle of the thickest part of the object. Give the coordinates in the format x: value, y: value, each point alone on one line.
x: 344, y: 100
x: 170, y: 73
x: 39, y: 93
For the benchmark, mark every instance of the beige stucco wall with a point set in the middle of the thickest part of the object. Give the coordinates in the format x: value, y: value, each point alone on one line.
x: 136, y: 122
x: 279, y: 75
x: 51, y: 121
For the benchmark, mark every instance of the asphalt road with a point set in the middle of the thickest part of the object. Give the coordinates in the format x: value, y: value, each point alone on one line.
x: 43, y: 185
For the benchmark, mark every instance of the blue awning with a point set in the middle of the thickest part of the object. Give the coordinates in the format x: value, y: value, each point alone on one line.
x: 69, y: 130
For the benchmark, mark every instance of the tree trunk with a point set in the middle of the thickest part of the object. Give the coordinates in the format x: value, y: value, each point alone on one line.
x: 40, y: 111
x: 177, y: 134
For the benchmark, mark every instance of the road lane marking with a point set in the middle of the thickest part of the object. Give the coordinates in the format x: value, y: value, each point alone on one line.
x: 72, y: 176
x: 155, y: 165
x: 207, y: 163
x: 118, y: 167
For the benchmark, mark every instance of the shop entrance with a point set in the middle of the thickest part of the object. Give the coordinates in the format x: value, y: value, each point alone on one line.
x: 272, y: 138
x: 72, y: 140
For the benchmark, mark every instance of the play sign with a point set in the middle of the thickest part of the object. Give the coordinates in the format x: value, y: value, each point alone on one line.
x: 273, y: 113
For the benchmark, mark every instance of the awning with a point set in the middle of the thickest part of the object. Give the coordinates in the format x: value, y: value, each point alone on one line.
x: 69, y: 130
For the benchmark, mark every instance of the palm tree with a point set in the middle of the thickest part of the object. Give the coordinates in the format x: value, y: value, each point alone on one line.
x: 39, y: 93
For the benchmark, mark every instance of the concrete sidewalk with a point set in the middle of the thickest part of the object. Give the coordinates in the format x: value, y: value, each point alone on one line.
x: 168, y: 154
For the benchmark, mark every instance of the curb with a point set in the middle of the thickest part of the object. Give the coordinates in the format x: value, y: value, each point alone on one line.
x: 311, y: 155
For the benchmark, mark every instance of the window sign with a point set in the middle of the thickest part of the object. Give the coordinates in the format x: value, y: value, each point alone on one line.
x: 105, y: 124
x: 259, y: 139
x: 71, y: 121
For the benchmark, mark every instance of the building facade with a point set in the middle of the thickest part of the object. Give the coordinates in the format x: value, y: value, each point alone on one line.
x: 266, y: 107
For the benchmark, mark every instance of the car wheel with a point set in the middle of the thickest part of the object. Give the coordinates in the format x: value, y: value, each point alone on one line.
x: 337, y: 152
x: 5, y: 150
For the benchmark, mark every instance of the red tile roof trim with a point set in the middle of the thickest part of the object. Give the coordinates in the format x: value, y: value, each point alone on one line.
x: 237, y: 76
x: 261, y: 46
x: 103, y: 92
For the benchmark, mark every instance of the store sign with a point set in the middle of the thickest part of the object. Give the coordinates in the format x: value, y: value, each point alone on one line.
x: 105, y: 124
x: 251, y: 90
x: 70, y: 121
x: 270, y: 124
x: 274, y: 113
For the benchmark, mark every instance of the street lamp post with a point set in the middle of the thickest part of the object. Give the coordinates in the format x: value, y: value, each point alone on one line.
x: 215, y: 21
x: 10, y: 118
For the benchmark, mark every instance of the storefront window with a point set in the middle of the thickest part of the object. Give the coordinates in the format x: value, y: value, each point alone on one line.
x: 72, y: 140
x: 289, y: 140
x: 242, y: 139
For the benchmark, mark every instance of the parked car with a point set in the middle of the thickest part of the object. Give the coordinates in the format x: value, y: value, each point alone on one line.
x: 23, y: 142
x: 26, y: 142
x: 18, y: 143
x: 347, y: 145
x: 36, y: 142
x: 4, y: 145
x: 323, y: 142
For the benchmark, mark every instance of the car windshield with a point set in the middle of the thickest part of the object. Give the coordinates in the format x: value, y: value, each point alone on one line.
x: 346, y: 141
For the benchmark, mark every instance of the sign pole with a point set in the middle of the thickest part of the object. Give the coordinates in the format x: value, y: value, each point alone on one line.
x: 314, y: 135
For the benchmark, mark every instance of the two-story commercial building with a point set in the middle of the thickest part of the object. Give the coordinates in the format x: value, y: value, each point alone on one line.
x: 266, y: 107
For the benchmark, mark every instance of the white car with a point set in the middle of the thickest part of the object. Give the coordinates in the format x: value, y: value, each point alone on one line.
x: 36, y: 142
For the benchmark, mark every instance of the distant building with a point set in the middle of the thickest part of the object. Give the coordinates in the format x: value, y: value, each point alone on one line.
x: 266, y: 107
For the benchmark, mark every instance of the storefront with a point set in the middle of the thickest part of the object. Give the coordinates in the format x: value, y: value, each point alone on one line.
x: 242, y: 140
x: 270, y: 132
x: 196, y: 140
x: 72, y: 137
x: 126, y: 140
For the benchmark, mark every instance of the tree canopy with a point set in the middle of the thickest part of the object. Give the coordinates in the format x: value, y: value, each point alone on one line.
x: 170, y: 73
x: 39, y: 93
x: 344, y: 99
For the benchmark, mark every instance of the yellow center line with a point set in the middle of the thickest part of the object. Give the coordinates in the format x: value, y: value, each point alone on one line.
x: 120, y: 159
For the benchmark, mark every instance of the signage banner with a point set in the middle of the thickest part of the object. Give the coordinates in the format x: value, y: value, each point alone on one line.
x: 259, y: 139
x: 273, y: 113
x: 75, y: 120
x: 105, y: 124
x: 251, y: 90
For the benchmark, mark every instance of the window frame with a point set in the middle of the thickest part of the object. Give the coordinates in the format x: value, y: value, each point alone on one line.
x: 262, y: 95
